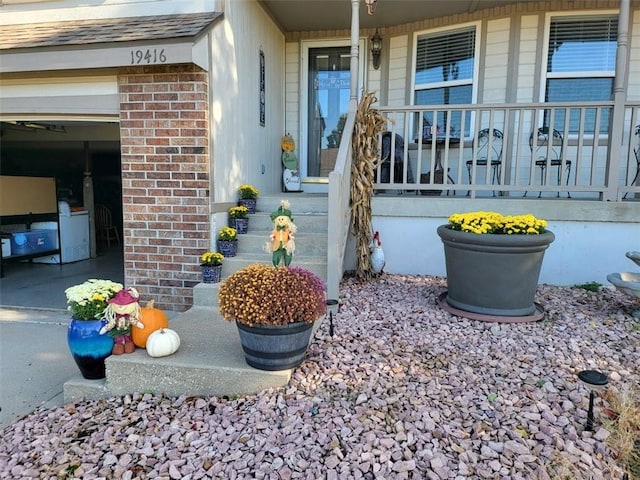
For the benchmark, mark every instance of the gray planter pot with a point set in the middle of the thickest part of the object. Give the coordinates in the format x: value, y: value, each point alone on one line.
x: 275, y: 347
x: 493, y: 274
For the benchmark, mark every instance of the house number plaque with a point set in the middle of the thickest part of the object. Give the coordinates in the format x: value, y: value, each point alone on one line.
x: 148, y: 56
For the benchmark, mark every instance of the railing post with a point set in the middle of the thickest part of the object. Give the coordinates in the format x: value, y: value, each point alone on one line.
x: 617, y: 116
x: 355, y: 34
x: 340, y: 177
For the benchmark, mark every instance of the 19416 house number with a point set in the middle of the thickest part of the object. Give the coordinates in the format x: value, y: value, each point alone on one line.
x: 148, y: 56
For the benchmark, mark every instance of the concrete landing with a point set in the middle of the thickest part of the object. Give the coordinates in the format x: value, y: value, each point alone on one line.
x: 209, y: 362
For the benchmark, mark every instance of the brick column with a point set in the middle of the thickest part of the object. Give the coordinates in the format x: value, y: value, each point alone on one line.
x: 164, y: 135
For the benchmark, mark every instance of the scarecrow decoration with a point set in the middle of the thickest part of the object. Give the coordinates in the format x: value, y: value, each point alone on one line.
x: 121, y: 313
x: 290, y: 175
x: 282, y: 240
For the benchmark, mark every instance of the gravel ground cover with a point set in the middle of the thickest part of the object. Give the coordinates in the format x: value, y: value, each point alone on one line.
x: 402, y: 390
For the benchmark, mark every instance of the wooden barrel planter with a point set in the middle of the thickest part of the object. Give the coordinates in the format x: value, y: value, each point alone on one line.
x: 278, y: 347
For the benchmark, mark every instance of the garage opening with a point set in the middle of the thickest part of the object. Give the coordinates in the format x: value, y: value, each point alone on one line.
x: 76, y: 154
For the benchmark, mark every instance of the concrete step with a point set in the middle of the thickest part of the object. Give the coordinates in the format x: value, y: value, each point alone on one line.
x: 311, y: 218
x: 209, y: 362
x: 317, y: 265
x: 299, y: 203
x: 307, y: 244
x: 306, y: 222
x: 206, y: 295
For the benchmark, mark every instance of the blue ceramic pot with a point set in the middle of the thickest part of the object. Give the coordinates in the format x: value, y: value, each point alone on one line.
x: 211, y: 273
x: 228, y: 248
x: 240, y: 224
x: 88, y: 347
x: 250, y: 203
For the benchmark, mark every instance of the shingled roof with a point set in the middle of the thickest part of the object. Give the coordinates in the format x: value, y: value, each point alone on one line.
x: 83, y: 32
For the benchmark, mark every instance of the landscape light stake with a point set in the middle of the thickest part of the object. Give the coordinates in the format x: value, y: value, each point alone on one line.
x: 594, y: 380
x: 589, y: 427
x: 331, y: 306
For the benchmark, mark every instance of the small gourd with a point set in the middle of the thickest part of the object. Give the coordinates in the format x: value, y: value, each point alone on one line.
x: 163, y: 342
x: 153, y: 319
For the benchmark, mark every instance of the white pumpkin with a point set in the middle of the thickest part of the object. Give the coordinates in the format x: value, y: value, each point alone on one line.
x: 163, y: 342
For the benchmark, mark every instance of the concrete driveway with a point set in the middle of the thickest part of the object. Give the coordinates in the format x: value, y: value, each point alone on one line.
x: 34, y: 360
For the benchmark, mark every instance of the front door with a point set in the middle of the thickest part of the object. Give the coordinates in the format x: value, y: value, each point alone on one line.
x: 328, y: 102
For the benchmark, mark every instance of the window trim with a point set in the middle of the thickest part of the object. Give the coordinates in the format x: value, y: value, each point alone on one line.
x: 549, y: 16
x: 545, y: 76
x: 476, y: 60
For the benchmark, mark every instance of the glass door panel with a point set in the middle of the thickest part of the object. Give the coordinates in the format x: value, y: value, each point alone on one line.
x: 328, y: 104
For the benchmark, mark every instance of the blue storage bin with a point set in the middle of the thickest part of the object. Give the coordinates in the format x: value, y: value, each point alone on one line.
x: 33, y: 241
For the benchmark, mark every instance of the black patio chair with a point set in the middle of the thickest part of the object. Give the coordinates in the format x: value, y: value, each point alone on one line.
x: 398, y: 160
x: 636, y: 153
x: 547, y: 150
x: 489, y: 152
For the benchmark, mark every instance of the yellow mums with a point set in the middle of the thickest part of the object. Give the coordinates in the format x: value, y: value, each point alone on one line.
x: 239, y: 212
x: 248, y: 191
x: 494, y: 223
x: 227, y: 233
x: 211, y: 258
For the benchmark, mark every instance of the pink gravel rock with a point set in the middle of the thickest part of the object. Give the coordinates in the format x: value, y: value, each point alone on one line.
x: 402, y: 390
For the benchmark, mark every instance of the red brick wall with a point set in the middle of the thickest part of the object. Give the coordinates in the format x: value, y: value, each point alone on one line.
x: 165, y: 180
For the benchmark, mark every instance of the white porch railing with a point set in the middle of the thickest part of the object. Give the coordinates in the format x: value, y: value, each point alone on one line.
x: 576, y: 164
x: 587, y: 169
x: 339, y: 207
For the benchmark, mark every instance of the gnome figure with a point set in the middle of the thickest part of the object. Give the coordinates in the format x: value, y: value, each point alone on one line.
x: 282, y: 244
x: 122, y: 312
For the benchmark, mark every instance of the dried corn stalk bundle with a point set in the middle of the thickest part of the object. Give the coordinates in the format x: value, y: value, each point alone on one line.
x: 368, y: 125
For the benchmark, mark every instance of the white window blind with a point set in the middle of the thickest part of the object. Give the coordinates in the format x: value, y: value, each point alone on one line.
x: 579, y: 44
x: 445, y: 73
x: 581, y: 65
x: 445, y: 56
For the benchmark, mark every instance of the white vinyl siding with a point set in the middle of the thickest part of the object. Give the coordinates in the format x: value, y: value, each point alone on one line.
x: 292, y: 91
x: 527, y: 58
x: 496, y: 61
x: 81, y: 95
x: 398, y: 49
x: 243, y: 151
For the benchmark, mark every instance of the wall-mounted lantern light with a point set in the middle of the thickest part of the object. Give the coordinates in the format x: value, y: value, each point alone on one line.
x: 376, y: 49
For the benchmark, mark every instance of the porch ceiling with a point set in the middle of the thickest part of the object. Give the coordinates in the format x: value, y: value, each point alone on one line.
x: 301, y: 15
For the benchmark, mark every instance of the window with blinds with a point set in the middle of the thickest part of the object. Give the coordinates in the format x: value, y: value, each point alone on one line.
x: 445, y: 70
x: 581, y: 65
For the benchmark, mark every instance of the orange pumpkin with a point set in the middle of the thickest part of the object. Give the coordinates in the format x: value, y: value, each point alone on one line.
x: 153, y: 319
